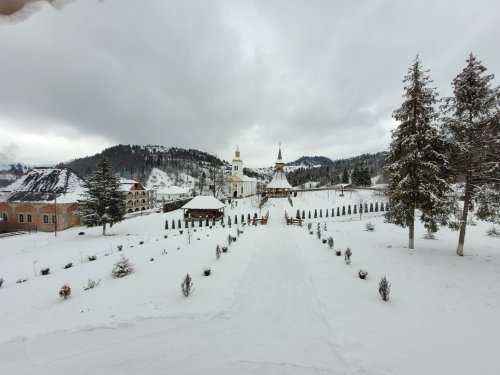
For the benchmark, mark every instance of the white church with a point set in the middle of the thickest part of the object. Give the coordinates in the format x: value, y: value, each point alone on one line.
x: 238, y: 185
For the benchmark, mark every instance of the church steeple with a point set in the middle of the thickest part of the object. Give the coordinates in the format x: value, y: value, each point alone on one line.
x: 279, y: 163
x: 237, y: 164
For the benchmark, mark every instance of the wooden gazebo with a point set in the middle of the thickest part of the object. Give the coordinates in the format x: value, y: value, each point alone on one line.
x: 203, y: 206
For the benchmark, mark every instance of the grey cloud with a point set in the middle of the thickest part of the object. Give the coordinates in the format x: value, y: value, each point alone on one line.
x: 203, y: 74
x: 8, y: 153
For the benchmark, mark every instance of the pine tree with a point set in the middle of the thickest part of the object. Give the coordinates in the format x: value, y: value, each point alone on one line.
x: 471, y: 118
x: 345, y: 176
x: 122, y: 267
x: 103, y: 201
x: 416, y: 162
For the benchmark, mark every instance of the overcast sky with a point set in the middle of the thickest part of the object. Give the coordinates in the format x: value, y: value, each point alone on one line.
x: 322, y: 77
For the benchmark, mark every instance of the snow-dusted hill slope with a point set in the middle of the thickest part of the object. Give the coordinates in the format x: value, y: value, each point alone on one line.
x: 158, y: 179
x: 279, y: 302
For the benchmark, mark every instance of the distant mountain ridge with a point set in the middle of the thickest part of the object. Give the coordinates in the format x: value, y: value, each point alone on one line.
x: 311, y: 161
x: 332, y: 173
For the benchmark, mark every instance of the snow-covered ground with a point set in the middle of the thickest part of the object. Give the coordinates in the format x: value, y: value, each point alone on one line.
x: 279, y: 302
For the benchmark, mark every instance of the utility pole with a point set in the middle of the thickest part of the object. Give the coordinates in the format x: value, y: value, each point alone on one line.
x: 55, y: 215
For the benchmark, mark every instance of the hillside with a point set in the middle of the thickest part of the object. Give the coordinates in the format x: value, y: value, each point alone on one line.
x: 311, y: 161
x: 136, y: 162
x: 332, y: 174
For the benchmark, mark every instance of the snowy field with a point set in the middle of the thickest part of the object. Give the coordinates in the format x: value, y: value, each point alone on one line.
x: 279, y: 302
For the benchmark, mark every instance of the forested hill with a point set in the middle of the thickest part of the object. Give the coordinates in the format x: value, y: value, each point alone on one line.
x: 311, y: 161
x: 135, y: 162
x: 332, y: 174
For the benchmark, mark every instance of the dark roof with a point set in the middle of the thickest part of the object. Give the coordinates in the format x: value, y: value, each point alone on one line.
x: 43, y: 184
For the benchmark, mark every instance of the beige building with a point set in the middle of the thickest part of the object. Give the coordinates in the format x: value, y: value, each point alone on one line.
x: 137, y: 197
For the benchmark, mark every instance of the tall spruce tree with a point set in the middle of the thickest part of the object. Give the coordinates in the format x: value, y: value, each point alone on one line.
x: 471, y: 118
x: 103, y: 201
x: 416, y: 162
x: 345, y: 176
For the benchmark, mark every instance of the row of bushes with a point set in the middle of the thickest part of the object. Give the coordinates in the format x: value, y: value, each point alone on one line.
x: 350, y: 210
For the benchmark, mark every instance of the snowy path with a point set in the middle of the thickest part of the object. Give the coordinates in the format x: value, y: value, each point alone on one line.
x: 275, y: 325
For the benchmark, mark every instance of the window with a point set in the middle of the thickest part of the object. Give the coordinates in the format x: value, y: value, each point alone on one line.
x: 53, y: 219
x: 4, y: 216
x: 29, y: 218
x: 21, y: 218
x: 45, y: 219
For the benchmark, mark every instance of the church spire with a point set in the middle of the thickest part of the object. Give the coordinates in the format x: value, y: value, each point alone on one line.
x: 279, y: 163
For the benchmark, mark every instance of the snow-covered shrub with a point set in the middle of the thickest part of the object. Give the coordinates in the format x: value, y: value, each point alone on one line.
x: 65, y: 291
x: 217, y: 252
x: 91, y: 258
x: 493, y: 232
x: 324, y: 227
x: 120, y: 247
x: 45, y: 271
x: 369, y: 227
x: 362, y: 273
x: 347, y: 256
x: 207, y: 271
x: 384, y: 288
x: 1, y: 282
x: 122, y: 267
x: 224, y: 249
x: 430, y: 235
x: 330, y: 242
x: 151, y: 259
x: 68, y: 265
x: 187, y: 286
x: 91, y: 284
x: 338, y: 252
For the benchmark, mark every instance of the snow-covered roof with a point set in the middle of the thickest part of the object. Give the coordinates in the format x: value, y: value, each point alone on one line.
x: 43, y: 184
x: 204, y: 202
x: 126, y: 185
x: 279, y: 181
x: 173, y: 190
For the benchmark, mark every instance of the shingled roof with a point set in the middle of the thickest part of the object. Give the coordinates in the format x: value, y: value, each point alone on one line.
x: 43, y: 184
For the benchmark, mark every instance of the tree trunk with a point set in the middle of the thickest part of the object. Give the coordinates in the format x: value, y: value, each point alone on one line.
x: 411, y: 232
x: 463, y: 224
x: 104, y: 229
